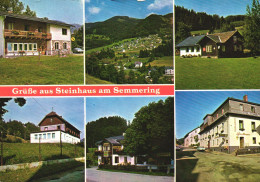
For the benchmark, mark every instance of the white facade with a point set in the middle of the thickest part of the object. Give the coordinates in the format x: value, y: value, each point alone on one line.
x: 120, y: 159
x: 56, y: 31
x: 2, y: 40
x: 234, y: 132
x: 192, y: 138
x: 193, y: 51
x: 53, y: 137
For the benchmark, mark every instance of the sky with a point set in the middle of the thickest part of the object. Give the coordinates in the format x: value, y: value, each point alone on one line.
x: 126, y: 107
x: 219, y: 7
x: 68, y: 11
x: 100, y: 10
x: 35, y: 109
x: 192, y: 106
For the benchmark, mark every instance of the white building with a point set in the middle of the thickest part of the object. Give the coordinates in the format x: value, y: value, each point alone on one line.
x: 55, y: 129
x: 192, y: 138
x: 233, y: 125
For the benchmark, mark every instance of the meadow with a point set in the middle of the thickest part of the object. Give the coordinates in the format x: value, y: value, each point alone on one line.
x: 222, y: 73
x: 48, y: 70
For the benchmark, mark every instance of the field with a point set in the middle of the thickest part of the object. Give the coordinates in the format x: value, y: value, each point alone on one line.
x: 223, y: 73
x: 94, y: 80
x: 29, y: 70
x: 15, y: 153
x: 216, y: 166
x: 164, y: 61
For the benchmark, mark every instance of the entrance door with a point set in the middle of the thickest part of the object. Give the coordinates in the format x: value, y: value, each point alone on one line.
x: 241, y: 142
x: 208, y: 144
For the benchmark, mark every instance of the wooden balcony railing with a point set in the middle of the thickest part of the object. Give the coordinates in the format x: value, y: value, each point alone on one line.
x: 27, y: 34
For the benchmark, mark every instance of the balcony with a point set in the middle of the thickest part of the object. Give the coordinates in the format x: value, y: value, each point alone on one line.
x: 27, y: 34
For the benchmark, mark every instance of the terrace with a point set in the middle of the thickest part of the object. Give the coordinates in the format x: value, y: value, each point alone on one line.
x: 27, y: 34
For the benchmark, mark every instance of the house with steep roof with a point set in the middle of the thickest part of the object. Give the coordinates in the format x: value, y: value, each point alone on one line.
x: 55, y: 129
x: 235, y: 124
x: 217, y: 45
x: 110, y: 152
x: 25, y: 35
x: 192, y: 138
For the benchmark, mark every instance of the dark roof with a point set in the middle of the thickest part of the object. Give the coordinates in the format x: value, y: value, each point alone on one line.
x: 221, y: 37
x: 54, y: 114
x: 25, y: 17
x: 190, y: 41
x: 115, y: 140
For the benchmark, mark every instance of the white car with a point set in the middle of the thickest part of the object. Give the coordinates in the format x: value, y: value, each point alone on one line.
x: 77, y: 50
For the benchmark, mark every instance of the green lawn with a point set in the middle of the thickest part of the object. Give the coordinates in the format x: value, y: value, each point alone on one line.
x: 94, y: 80
x: 223, y: 73
x: 164, y: 61
x: 15, y: 153
x: 29, y: 70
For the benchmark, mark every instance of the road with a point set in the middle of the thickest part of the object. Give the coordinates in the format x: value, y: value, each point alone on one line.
x: 94, y: 175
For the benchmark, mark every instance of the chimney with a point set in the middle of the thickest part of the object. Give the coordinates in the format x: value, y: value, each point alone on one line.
x: 245, y: 98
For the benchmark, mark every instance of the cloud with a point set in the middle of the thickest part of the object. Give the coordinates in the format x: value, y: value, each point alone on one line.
x: 87, y: 1
x: 94, y: 10
x: 159, y: 4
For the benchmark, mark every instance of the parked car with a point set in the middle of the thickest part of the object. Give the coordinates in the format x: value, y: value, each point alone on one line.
x: 178, y: 148
x: 201, y: 149
x: 77, y: 50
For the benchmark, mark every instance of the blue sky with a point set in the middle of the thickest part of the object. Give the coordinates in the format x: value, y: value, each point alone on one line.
x: 220, y: 7
x: 192, y: 106
x: 69, y: 11
x: 100, y: 10
x: 126, y: 107
x: 35, y: 109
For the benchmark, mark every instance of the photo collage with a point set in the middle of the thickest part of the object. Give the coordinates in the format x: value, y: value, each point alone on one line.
x: 129, y: 90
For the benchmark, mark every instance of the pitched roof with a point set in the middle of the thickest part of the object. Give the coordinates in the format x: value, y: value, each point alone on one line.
x: 54, y: 114
x: 115, y: 140
x: 190, y: 41
x: 25, y: 17
x: 221, y: 37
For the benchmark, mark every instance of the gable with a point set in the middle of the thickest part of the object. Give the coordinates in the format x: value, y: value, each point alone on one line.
x: 53, y: 120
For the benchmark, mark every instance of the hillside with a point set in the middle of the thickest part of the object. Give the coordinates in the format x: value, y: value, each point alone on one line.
x: 122, y: 27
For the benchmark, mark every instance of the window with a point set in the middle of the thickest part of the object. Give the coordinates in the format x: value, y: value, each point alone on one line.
x: 223, y: 48
x: 25, y: 47
x: 241, y: 107
x: 125, y: 159
x: 44, y: 136
x: 35, y: 47
x: 58, y: 127
x: 53, y: 135
x: 57, y: 46
x: 64, y: 31
x: 192, y: 49
x: 253, y: 109
x: 40, y: 136
x: 241, y: 125
x: 116, y: 160
x: 20, y: 47
x: 240, y: 48
x: 40, y: 29
x: 9, y: 46
x: 187, y: 49
x: 15, y: 47
x: 254, y: 140
x: 49, y: 136
x: 222, y: 130
x: 235, y: 39
x: 222, y: 110
x: 30, y: 47
x: 209, y: 48
x: 197, y: 49
x: 64, y: 45
x: 10, y: 26
x: 45, y: 128
x: 36, y: 136
x: 253, y: 126
x: 26, y: 27
x: 235, y: 48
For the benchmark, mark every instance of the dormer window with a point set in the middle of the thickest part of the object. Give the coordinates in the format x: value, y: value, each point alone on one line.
x: 253, y: 109
x: 241, y: 107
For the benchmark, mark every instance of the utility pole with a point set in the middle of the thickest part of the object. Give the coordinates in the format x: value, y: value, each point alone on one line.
x: 60, y: 144
x: 2, y: 150
x: 40, y: 156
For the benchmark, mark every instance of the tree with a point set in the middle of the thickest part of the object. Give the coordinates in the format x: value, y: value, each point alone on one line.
x: 182, y: 32
x: 29, y: 12
x: 252, y: 27
x: 131, y: 77
x: 152, y: 130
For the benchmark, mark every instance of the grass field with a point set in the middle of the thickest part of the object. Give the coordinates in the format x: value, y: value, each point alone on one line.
x: 216, y: 166
x: 29, y: 70
x: 94, y: 80
x: 164, y: 61
x: 15, y: 153
x: 223, y: 73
